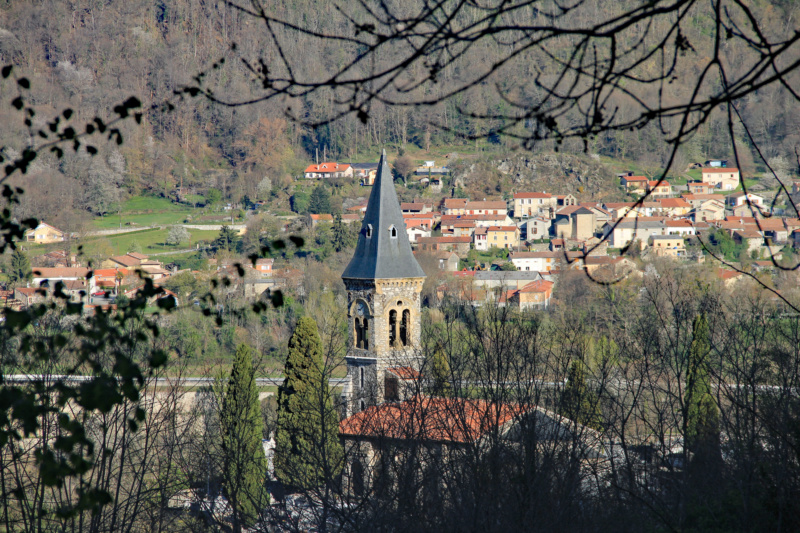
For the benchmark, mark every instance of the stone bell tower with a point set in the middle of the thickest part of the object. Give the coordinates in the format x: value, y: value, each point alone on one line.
x: 383, y: 282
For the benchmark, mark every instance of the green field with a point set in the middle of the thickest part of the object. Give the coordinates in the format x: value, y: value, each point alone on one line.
x: 152, y: 211
x: 150, y: 241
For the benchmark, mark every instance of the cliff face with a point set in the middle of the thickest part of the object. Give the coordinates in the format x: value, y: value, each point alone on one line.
x: 584, y: 176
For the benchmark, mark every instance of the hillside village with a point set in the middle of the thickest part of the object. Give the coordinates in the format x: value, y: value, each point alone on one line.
x: 508, y: 251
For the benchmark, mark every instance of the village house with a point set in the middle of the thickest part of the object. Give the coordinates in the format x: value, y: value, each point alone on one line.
x: 668, y: 245
x: 750, y: 237
x: 363, y: 170
x: 454, y: 206
x: 659, y: 190
x: 448, y: 261
x: 634, y: 183
x: 263, y: 266
x: 699, y: 187
x: 535, y: 261
x: 417, y: 228
x: 534, y: 295
x: 502, y: 280
x: 710, y: 210
x: 528, y: 204
x: 674, y: 207
x: 536, y: 228
x: 44, y: 234
x: 329, y: 170
x: 726, y: 179
x: 740, y: 198
x: 460, y: 245
x: 503, y: 237
x: 480, y: 239
x: 628, y: 230
x: 416, y: 207
x: 492, y: 207
x: 695, y: 200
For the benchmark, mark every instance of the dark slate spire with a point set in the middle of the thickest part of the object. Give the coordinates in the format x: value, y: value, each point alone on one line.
x: 378, y: 254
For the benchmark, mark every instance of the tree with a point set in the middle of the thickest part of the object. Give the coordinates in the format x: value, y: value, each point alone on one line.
x: 299, y: 202
x: 578, y: 403
x: 404, y: 167
x: 245, y: 465
x: 135, y: 247
x: 343, y: 237
x: 213, y: 196
x: 177, y: 235
x: 19, y: 270
x: 702, y: 416
x: 440, y: 374
x: 320, y: 201
x: 226, y: 240
x: 307, y: 449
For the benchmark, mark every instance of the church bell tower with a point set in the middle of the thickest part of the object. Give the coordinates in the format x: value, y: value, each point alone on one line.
x: 383, y: 282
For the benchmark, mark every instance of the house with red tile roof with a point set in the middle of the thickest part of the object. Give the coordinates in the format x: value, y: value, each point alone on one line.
x: 329, y: 170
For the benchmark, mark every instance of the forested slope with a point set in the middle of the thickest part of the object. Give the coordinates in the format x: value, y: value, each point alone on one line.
x: 90, y: 55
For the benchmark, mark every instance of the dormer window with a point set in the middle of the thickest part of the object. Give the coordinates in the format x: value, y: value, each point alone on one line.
x: 393, y: 232
x: 369, y: 231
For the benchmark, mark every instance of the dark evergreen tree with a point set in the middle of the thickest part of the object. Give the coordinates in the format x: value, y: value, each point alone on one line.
x: 578, y: 402
x: 440, y: 374
x: 19, y: 270
x: 226, y: 240
x: 343, y: 238
x: 320, y: 201
x: 702, y: 416
x: 307, y: 449
x: 244, y: 463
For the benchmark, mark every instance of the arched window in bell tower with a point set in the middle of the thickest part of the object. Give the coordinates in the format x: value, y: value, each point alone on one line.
x: 392, y: 327
x: 360, y: 327
x: 405, y: 327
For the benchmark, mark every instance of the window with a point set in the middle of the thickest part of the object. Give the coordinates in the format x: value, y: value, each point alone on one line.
x: 393, y: 232
x: 392, y: 327
x: 361, y: 379
x: 391, y: 390
x: 405, y: 325
x: 369, y: 231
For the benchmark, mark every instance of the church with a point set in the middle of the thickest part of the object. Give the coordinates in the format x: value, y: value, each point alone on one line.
x: 383, y: 282
x: 387, y: 412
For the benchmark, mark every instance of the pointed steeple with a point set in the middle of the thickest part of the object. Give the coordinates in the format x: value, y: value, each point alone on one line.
x: 383, y: 250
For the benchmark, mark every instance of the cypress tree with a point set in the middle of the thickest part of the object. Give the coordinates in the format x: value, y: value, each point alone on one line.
x: 20, y: 268
x: 578, y: 403
x: 701, y: 421
x: 440, y: 374
x: 307, y: 448
x: 244, y: 463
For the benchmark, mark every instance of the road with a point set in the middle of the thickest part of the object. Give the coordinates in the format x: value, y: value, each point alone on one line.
x: 160, y: 382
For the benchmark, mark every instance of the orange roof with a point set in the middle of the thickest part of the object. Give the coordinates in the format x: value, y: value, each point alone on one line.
x: 455, y: 202
x: 325, y: 168
x: 532, y: 195
x: 674, y: 202
x: 635, y: 178
x: 656, y: 184
x: 405, y: 372
x: 502, y: 228
x: 720, y: 170
x: 110, y: 272
x: 538, y: 286
x: 457, y: 420
x: 725, y: 274
x: 491, y: 204
x: 60, y: 272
